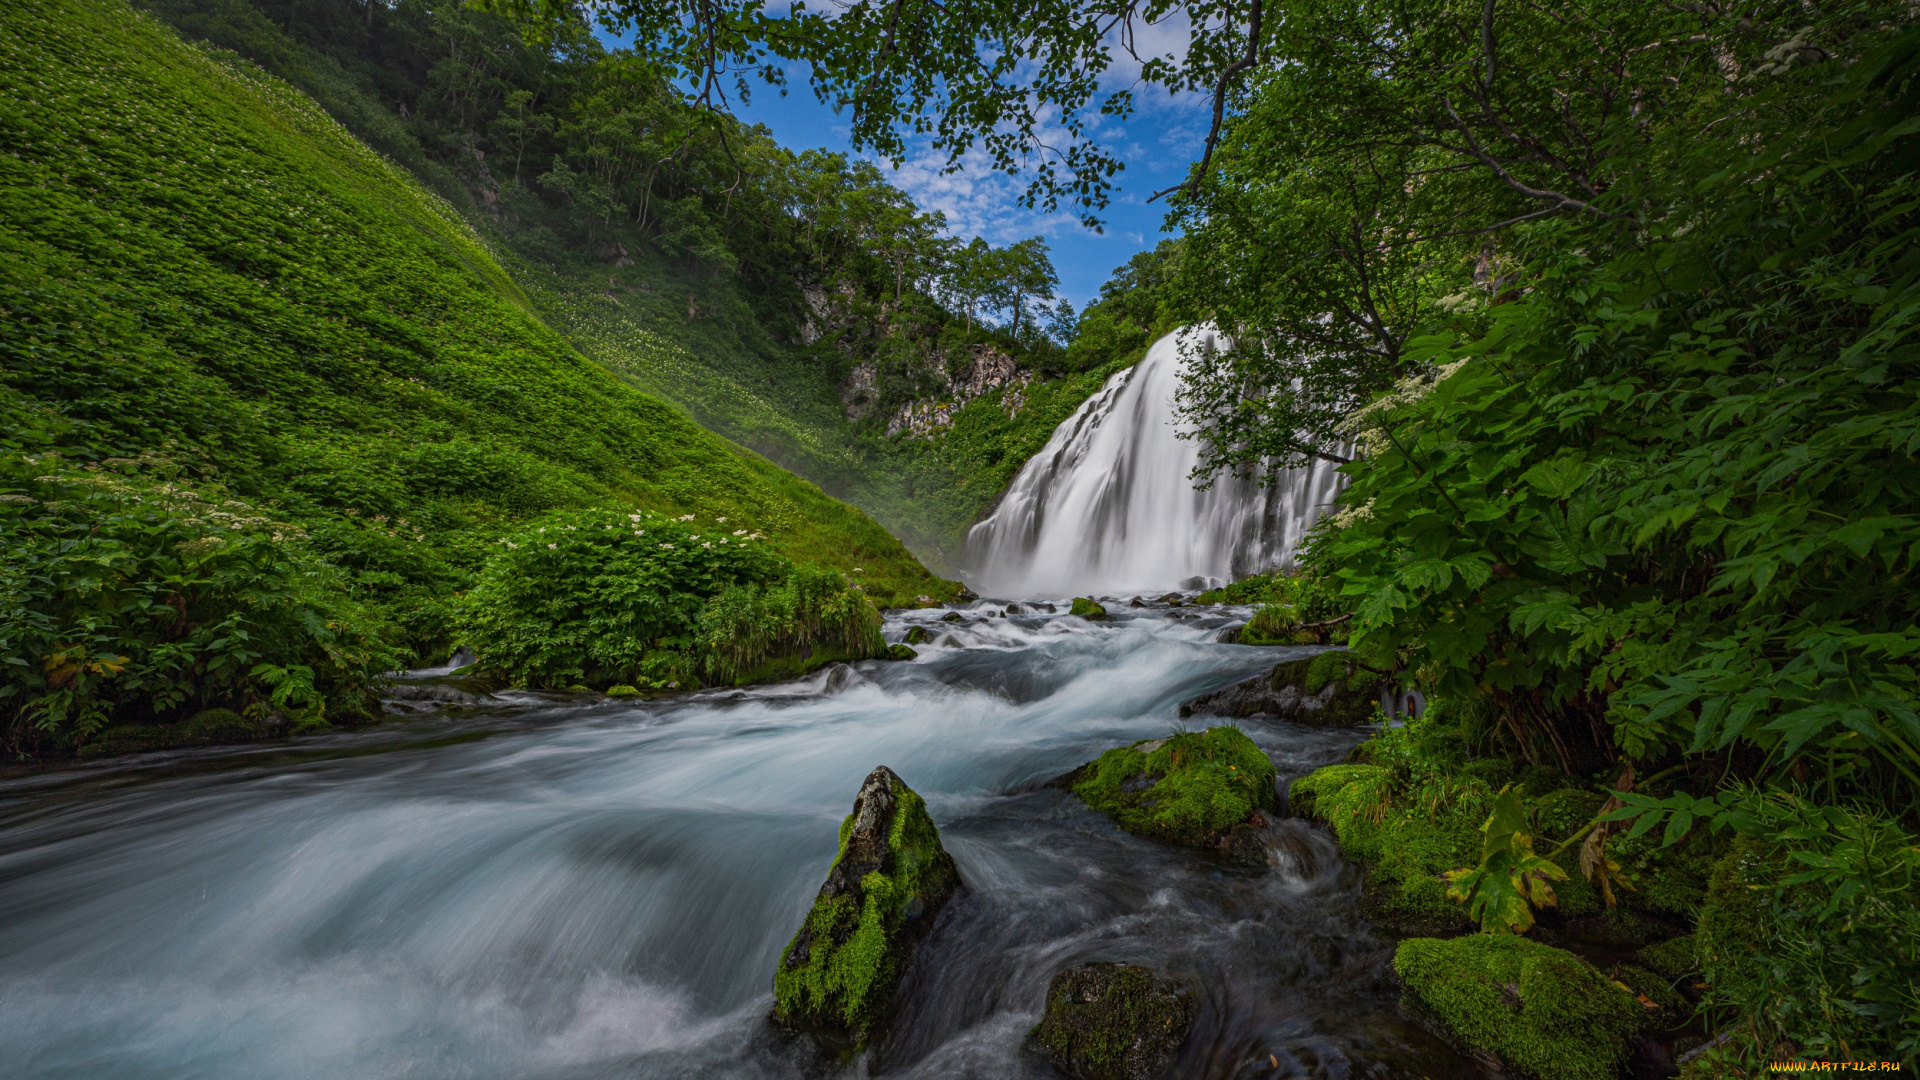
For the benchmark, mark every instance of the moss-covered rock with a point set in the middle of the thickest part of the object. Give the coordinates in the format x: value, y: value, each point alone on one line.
x: 917, y: 635
x: 900, y: 652
x: 1733, y: 919
x: 207, y: 727
x: 1328, y: 690
x: 1113, y: 1022
x: 1543, y: 1011
x: 623, y: 691
x: 1661, y: 1005
x: 837, y: 977
x: 1405, y: 850
x: 1088, y: 608
x: 1673, y: 959
x: 1201, y: 789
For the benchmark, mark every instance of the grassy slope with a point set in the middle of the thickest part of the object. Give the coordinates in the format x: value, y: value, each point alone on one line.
x: 194, y: 256
x: 724, y: 369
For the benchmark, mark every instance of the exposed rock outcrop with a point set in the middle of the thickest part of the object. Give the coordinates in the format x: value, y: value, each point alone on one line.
x: 1113, y: 1022
x: 837, y: 977
x: 1327, y: 690
x: 988, y: 369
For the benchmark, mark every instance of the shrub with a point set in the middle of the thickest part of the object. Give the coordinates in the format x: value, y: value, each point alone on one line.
x: 615, y: 597
x: 127, y: 599
x: 1810, y: 934
x: 810, y: 617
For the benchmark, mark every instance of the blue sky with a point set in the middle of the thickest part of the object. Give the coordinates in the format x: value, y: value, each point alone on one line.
x: 1157, y: 143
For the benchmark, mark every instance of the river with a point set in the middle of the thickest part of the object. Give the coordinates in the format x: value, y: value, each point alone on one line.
x: 574, y: 888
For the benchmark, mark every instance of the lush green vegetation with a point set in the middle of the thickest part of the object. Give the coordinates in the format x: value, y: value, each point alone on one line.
x: 129, y: 597
x: 1632, y: 393
x: 1189, y: 788
x: 793, y: 302
x: 211, y: 285
x: 602, y: 598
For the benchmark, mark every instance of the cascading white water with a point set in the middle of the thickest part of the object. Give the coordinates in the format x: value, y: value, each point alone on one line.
x: 1109, y: 505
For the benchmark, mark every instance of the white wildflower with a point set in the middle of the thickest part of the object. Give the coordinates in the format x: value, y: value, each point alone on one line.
x: 550, y: 547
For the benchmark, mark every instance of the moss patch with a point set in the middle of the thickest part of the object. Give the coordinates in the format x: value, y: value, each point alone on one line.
x: 1191, y: 789
x: 1327, y: 690
x: 1405, y: 849
x: 838, y: 974
x: 1088, y: 608
x: 1113, y: 1022
x: 1540, y: 1009
x: 1672, y: 959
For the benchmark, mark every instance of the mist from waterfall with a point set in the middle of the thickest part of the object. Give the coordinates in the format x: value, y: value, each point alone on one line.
x: 1109, y: 505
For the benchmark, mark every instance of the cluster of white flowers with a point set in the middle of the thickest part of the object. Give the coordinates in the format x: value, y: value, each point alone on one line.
x: 1351, y: 515
x: 684, y: 517
x: 1365, y: 426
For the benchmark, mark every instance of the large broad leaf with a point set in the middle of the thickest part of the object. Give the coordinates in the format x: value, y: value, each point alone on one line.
x: 1511, y: 879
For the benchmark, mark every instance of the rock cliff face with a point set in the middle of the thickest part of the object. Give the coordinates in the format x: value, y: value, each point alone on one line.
x: 836, y: 979
x: 985, y: 369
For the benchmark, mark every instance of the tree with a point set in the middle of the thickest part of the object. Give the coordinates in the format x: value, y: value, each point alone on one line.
x: 1007, y: 76
x: 1025, y: 272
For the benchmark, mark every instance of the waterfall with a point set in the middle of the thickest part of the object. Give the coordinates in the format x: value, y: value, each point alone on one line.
x: 1109, y: 506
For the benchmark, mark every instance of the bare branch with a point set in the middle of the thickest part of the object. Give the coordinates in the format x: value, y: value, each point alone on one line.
x: 1559, y: 200
x: 1220, y: 102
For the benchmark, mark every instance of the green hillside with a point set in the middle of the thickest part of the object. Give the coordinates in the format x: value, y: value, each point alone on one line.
x: 690, y: 253
x: 201, y: 268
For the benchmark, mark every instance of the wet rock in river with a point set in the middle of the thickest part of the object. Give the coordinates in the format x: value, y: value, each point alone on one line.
x: 837, y: 977
x: 1205, y: 789
x: 953, y: 616
x: 1327, y: 690
x: 1088, y: 608
x: 917, y: 635
x: 1113, y: 1022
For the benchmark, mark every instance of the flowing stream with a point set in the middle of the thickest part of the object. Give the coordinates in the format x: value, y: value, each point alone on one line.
x: 1109, y: 503
x: 572, y: 887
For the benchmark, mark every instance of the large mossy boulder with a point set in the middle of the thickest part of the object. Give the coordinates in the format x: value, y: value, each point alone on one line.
x: 1113, y: 1022
x: 1542, y: 1011
x: 1326, y: 690
x: 1088, y: 608
x: 837, y: 977
x: 1203, y: 789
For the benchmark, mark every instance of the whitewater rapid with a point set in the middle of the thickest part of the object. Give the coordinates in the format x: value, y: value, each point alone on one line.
x: 572, y: 888
x: 1109, y: 505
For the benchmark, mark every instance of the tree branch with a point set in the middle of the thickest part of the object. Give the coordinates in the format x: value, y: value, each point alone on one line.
x: 1246, y: 61
x: 1566, y: 202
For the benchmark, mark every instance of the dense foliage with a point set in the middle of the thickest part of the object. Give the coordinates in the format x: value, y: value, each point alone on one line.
x: 197, y: 262
x: 1639, y: 504
x: 126, y: 599
x: 604, y: 598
